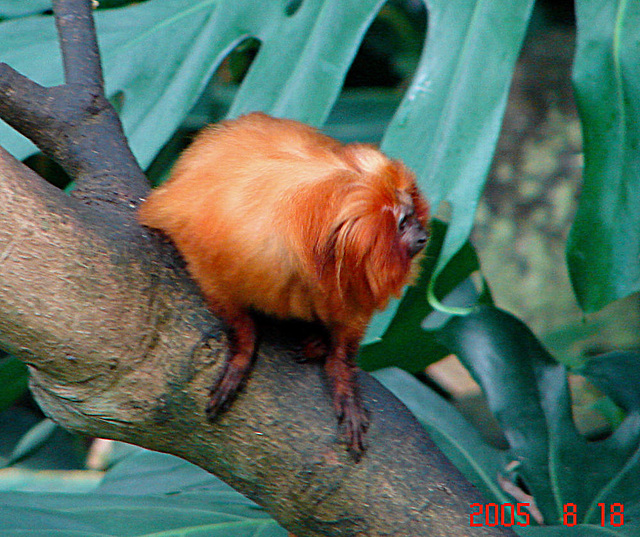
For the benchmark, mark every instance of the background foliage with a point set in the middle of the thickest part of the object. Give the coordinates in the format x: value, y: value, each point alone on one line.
x: 159, y: 57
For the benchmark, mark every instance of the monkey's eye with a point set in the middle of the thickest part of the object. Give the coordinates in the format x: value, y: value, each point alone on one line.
x: 404, y: 219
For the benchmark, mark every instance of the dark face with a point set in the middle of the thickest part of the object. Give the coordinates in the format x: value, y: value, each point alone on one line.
x: 412, y: 235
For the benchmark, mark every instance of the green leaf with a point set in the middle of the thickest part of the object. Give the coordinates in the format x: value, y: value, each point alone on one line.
x: 528, y: 393
x: 24, y: 480
x: 146, y: 494
x: 32, y: 440
x: 298, y: 73
x: 149, y: 472
x: 20, y: 8
x: 447, y: 126
x: 14, y: 379
x: 604, y: 243
x: 158, y: 56
x: 506, y: 360
x: 618, y: 375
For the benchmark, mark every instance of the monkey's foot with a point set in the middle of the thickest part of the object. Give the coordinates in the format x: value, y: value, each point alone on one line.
x: 223, y: 392
x: 353, y: 419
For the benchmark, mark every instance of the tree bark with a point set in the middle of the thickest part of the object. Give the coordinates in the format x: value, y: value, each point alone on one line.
x: 121, y: 345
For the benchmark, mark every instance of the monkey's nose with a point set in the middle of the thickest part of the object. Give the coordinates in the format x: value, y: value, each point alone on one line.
x: 420, y: 241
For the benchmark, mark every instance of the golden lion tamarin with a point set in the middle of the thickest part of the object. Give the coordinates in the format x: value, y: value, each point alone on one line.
x: 275, y: 217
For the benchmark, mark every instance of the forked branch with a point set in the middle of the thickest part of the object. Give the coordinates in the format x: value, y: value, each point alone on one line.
x: 74, y: 123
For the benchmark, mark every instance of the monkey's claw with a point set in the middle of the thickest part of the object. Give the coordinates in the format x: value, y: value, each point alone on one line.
x: 354, y: 420
x: 224, y: 391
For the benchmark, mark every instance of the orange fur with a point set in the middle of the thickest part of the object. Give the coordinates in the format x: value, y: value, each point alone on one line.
x: 273, y: 216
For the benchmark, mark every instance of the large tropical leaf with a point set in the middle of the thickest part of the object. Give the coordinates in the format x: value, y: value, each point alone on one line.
x: 20, y: 8
x: 145, y: 494
x: 447, y: 126
x: 529, y: 395
x: 614, y: 513
x: 13, y: 380
x: 604, y: 245
x: 158, y: 56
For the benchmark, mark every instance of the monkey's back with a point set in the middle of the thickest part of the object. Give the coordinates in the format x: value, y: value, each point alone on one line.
x: 239, y: 206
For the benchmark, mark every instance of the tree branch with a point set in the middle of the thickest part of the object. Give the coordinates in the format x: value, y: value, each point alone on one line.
x: 74, y: 123
x: 133, y: 367
x: 120, y: 343
x: 78, y: 43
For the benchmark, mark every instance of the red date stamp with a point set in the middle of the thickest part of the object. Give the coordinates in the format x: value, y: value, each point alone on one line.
x: 509, y: 514
x: 505, y: 514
